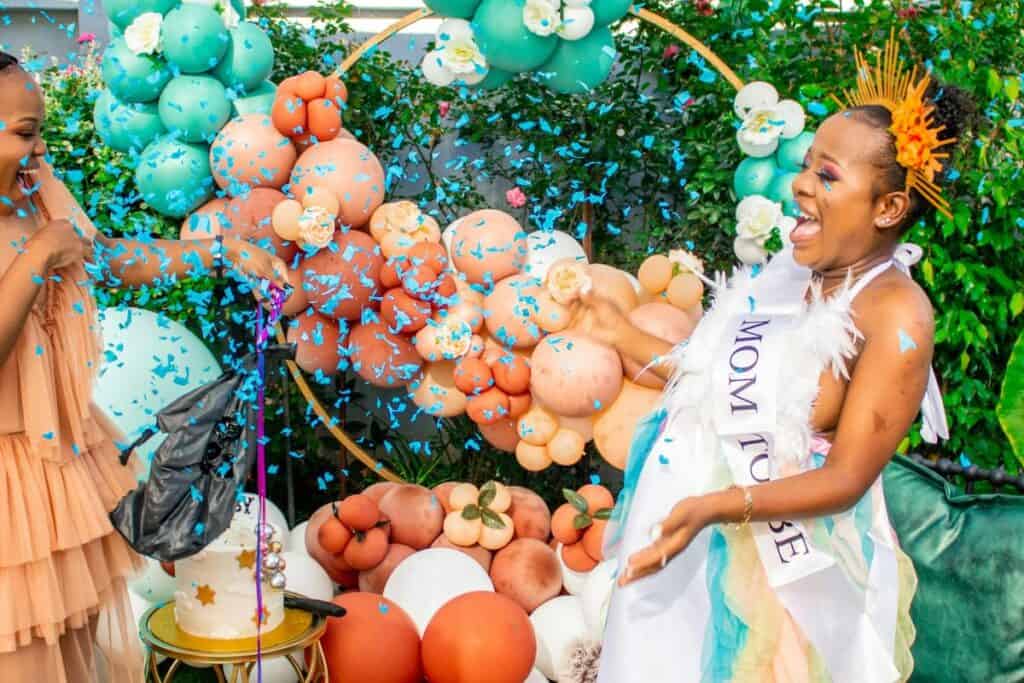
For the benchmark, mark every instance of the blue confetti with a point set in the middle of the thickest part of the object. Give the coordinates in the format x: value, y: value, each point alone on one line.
x: 907, y: 343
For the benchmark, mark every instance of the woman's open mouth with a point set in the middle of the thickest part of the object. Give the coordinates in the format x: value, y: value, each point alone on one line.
x: 807, y: 228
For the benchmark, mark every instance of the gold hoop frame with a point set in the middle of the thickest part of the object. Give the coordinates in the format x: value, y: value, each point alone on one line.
x: 408, y: 20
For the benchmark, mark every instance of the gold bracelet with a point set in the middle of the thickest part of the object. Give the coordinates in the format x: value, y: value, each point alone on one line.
x: 748, y: 507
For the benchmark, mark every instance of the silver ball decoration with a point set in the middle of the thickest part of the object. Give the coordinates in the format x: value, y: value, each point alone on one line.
x: 271, y: 561
x: 278, y: 581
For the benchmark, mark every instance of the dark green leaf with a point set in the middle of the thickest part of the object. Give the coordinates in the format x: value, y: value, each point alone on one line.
x: 471, y: 512
x: 491, y: 519
x: 603, y: 513
x: 575, y: 499
x: 487, y: 494
x: 582, y: 521
x: 1011, y: 400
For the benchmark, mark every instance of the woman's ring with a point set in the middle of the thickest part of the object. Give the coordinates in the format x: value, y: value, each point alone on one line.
x: 664, y: 560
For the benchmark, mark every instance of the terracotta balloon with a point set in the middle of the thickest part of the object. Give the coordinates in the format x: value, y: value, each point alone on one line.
x: 289, y: 114
x: 435, y: 391
x: 375, y: 642
x: 502, y: 435
x: 377, y: 491
x: 530, y: 514
x: 508, y: 310
x: 381, y: 358
x: 527, y: 571
x: 297, y: 301
x: 342, y: 282
x: 442, y: 491
x: 250, y: 152
x: 323, y: 118
x: 479, y: 637
x: 320, y: 342
x: 488, y: 245
x: 663, y: 321
x: 416, y: 515
x: 206, y: 222
x: 373, y: 580
x: 482, y: 556
x: 348, y: 168
x: 615, y: 426
x: 488, y: 407
x: 575, y: 375
x: 613, y: 284
x: 335, y: 567
x: 402, y: 313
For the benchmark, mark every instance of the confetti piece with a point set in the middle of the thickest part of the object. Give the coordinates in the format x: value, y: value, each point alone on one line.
x: 907, y: 342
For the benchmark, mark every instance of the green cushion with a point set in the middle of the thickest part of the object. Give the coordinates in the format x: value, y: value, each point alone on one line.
x: 968, y: 551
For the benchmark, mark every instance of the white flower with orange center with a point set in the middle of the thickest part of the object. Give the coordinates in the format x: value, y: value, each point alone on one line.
x: 316, y: 227
x: 567, y: 280
x: 685, y: 262
x: 454, y: 338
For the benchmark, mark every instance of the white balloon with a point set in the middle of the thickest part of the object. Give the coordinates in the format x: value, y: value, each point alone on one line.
x: 577, y: 23
x: 756, y: 149
x: 536, y: 677
x: 596, y: 596
x: 276, y: 670
x: 576, y: 3
x: 149, y: 360
x: 571, y: 579
x: 249, y: 508
x: 792, y: 113
x: 435, y: 70
x: 754, y: 95
x: 154, y: 585
x: 306, y: 576
x: 447, y: 235
x: 559, y: 627
x: 423, y: 582
x: 748, y: 251
x: 297, y: 540
x: 548, y: 246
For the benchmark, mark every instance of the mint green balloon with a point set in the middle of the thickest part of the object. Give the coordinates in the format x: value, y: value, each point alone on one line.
x: 753, y: 176
x: 194, y: 38
x: 123, y: 12
x: 781, y: 188
x: 791, y: 153
x: 248, y: 60
x: 174, y: 177
x: 504, y: 39
x: 495, y: 78
x: 579, y: 66
x: 239, y: 6
x: 114, y: 29
x: 194, y: 107
x: 609, y: 11
x: 126, y: 127
x: 259, y: 101
x: 132, y: 77
x: 791, y: 208
x: 460, y: 9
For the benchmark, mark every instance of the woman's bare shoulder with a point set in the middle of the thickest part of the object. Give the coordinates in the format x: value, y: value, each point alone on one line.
x: 896, y: 306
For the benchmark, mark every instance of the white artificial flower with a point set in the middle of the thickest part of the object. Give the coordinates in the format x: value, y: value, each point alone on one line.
x: 143, y: 35
x: 541, y: 17
x: 454, y: 338
x: 749, y: 251
x: 316, y: 227
x: 457, y: 56
x: 757, y: 216
x: 577, y: 23
x: 760, y: 131
x: 403, y: 217
x: 754, y: 95
x: 687, y: 262
x: 567, y: 280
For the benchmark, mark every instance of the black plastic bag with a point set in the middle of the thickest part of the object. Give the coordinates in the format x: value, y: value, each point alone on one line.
x: 199, y: 469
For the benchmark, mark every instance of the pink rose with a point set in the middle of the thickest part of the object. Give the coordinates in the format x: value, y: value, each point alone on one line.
x: 670, y: 52
x: 515, y: 198
x: 86, y: 38
x: 443, y: 108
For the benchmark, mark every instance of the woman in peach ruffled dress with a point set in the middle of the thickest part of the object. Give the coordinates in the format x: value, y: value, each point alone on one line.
x: 64, y: 609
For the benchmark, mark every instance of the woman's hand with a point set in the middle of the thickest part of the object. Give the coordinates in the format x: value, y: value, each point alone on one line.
x: 63, y: 244
x: 252, y: 261
x: 600, y: 319
x: 671, y: 537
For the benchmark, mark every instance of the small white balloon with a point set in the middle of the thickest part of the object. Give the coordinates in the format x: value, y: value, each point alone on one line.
x: 559, y: 626
x: 755, y: 95
x: 571, y: 579
x: 536, y: 677
x: 249, y: 507
x: 760, y: 147
x: 577, y: 23
x: 435, y: 70
x: 546, y: 247
x: 297, y: 539
x: 307, y: 577
x: 792, y: 113
x: 596, y: 596
x: 423, y: 582
x: 154, y: 585
x: 576, y: 3
x: 275, y: 670
x: 472, y: 78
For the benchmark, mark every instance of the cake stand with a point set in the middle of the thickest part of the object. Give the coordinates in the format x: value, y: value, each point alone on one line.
x: 296, y: 639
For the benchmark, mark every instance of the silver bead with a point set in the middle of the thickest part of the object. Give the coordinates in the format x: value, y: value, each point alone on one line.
x: 268, y: 532
x: 271, y: 561
x: 281, y: 564
x: 278, y: 581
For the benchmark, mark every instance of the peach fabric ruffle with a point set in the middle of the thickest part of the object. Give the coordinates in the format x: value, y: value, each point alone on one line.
x: 64, y: 608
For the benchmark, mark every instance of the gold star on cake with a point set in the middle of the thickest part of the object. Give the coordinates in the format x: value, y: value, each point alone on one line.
x: 246, y: 559
x: 206, y: 595
x: 264, y: 618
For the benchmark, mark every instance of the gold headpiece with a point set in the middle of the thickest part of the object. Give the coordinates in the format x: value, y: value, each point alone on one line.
x: 890, y: 85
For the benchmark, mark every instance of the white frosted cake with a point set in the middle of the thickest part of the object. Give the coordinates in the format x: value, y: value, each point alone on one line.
x: 216, y: 587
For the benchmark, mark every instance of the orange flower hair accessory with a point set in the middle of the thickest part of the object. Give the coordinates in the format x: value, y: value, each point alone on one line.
x: 890, y: 85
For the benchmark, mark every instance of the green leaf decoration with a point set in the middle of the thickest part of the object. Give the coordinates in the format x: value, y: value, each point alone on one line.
x: 575, y: 499
x: 603, y: 513
x: 471, y: 512
x: 1016, y: 304
x: 487, y: 494
x: 491, y: 519
x: 582, y: 521
x: 1011, y: 401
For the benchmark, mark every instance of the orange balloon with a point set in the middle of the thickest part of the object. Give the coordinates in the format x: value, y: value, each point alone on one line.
x: 527, y: 571
x: 250, y: 152
x: 310, y: 85
x: 381, y: 358
x: 289, y: 114
x: 350, y: 170
x: 375, y: 642
x: 508, y: 309
x: 251, y: 215
x: 402, y: 313
x: 502, y: 435
x: 342, y: 282
x: 615, y: 426
x: 574, y: 375
x: 335, y: 89
x: 320, y: 342
x: 208, y: 221
x: 324, y: 119
x: 488, y: 245
x: 488, y: 407
x: 479, y: 637
x: 334, y: 566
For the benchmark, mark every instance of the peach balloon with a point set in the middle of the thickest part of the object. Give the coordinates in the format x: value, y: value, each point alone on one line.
x: 285, y: 219
x: 435, y: 391
x: 375, y: 642
x: 318, y: 195
x: 550, y: 315
x: 566, y: 447
x: 443, y: 493
x: 350, y: 170
x: 527, y: 571
x: 480, y: 555
x: 613, y: 284
x: 250, y: 152
x: 502, y: 435
x: 377, y: 491
x: 614, y: 427
x: 537, y: 426
x: 654, y: 273
x: 532, y: 458
x: 478, y: 637
x: 488, y: 245
x: 416, y: 515
x: 574, y: 375
x: 381, y: 358
x: 663, y: 321
x: 297, y: 301
x: 373, y: 580
x: 342, y: 282
x: 685, y: 291
x: 208, y: 221
x: 530, y: 514
x: 320, y: 342
x: 584, y: 426
x: 508, y: 310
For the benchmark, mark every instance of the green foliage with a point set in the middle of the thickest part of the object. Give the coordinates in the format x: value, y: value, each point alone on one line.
x: 1011, y: 401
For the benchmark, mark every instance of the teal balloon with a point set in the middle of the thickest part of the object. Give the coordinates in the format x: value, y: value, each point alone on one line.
x: 781, y: 188
x: 579, y: 66
x: 132, y: 77
x: 460, y: 9
x: 114, y: 29
x: 791, y: 208
x: 495, y: 78
x: 609, y: 11
x: 194, y: 38
x: 259, y: 101
x: 248, y: 60
x: 174, y: 177
x: 239, y: 6
x: 753, y: 176
x: 123, y: 12
x: 505, y: 41
x: 126, y: 127
x: 791, y: 153
x: 194, y: 108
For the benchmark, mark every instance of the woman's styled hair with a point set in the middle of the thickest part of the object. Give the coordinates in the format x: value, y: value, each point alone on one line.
x: 8, y: 61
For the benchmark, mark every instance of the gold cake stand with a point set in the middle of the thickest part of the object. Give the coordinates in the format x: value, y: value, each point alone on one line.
x: 299, y: 634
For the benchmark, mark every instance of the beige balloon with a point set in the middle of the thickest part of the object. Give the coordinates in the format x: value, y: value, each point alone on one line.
x: 285, y: 219
x: 613, y: 284
x: 614, y: 427
x: 655, y: 273
x: 566, y: 447
x: 532, y: 458
x: 538, y: 426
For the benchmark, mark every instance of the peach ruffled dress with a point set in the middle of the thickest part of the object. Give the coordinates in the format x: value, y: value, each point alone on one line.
x: 65, y: 614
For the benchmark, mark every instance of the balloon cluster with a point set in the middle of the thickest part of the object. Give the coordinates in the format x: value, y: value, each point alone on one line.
x: 772, y: 135
x: 484, y: 43
x: 174, y: 75
x: 307, y: 108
